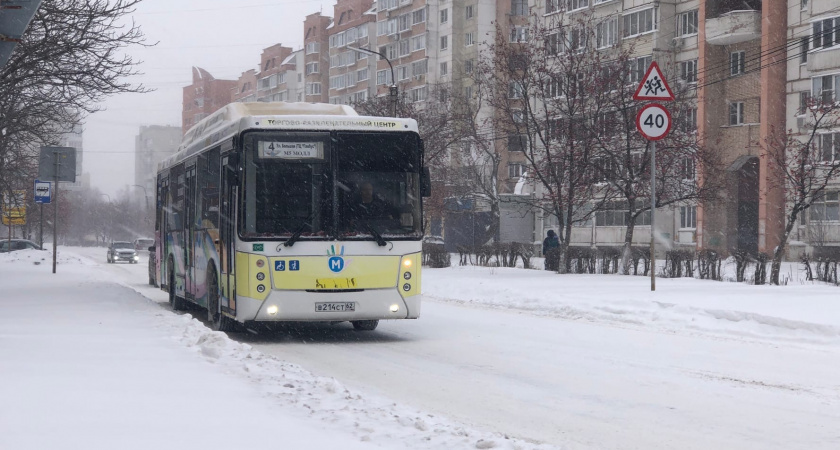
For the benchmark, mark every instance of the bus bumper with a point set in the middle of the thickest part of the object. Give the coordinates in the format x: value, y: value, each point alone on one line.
x: 370, y: 304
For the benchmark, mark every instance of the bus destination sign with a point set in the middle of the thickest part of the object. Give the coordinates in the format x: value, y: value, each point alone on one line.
x: 291, y: 150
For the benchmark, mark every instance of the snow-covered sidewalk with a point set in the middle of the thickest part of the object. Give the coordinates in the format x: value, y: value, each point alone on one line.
x: 90, y: 363
x: 803, y: 312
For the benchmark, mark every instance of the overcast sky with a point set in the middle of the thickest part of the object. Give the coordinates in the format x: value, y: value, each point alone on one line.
x: 224, y: 37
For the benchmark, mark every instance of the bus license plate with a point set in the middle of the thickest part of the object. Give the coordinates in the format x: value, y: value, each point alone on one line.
x: 335, y: 307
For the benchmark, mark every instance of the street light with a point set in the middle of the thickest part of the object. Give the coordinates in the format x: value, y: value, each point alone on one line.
x: 146, y: 198
x: 392, y: 90
x: 109, y: 197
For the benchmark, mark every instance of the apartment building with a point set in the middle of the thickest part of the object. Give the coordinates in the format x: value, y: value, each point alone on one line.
x: 813, y: 72
x: 152, y: 145
x: 316, y: 57
x: 352, y: 73
x: 272, y: 74
x: 401, y: 36
x: 203, y: 97
x: 719, y: 48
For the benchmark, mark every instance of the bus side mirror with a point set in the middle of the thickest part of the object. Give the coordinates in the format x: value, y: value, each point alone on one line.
x: 426, y: 183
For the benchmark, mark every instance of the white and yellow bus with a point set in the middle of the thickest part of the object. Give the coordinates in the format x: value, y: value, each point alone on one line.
x: 274, y: 212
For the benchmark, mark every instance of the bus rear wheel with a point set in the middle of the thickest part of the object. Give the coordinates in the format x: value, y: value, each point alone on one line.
x: 178, y: 304
x: 365, y: 325
x: 219, y: 321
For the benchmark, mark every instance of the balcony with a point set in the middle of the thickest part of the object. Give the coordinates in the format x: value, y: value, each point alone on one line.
x: 733, y: 27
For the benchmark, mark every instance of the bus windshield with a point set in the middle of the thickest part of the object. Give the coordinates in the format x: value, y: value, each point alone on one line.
x: 346, y: 185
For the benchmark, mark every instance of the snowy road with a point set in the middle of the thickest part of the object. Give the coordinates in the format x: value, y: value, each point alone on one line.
x: 595, y: 384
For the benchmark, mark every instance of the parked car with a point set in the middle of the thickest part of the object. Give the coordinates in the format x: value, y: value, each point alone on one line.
x: 18, y: 244
x: 143, y: 244
x: 122, y: 251
x: 152, y: 267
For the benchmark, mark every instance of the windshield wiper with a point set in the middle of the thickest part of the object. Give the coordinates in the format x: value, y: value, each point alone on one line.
x: 376, y: 236
x: 296, y: 235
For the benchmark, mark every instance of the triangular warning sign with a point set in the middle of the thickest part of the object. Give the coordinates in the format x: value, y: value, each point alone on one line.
x: 653, y: 86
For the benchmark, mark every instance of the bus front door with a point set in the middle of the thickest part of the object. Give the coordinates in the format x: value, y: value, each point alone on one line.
x: 227, y: 234
x: 189, y: 228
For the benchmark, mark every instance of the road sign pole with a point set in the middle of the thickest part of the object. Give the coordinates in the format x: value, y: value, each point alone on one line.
x: 55, y: 212
x: 652, y: 215
x: 41, y: 231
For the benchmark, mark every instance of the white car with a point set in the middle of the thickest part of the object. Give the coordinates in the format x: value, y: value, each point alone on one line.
x: 122, y: 251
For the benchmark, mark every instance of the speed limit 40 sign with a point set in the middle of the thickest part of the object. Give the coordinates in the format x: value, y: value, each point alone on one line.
x: 653, y: 121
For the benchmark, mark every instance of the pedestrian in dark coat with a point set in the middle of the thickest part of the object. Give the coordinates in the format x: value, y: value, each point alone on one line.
x: 551, y: 251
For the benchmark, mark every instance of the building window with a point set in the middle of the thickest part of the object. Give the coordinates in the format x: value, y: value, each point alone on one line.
x: 444, y: 42
x: 383, y: 77
x: 640, y: 22
x: 577, y: 4
x: 420, y: 67
x: 311, y: 68
x: 517, y: 142
x: 687, y: 120
x: 469, y: 12
x: 515, y: 89
x: 468, y: 92
x: 614, y: 214
x: 606, y: 33
x: 418, y: 43
x: 402, y: 73
x: 444, y: 15
x: 552, y: 6
x: 830, y: 147
x: 688, y: 71
x: 405, y: 47
x: 737, y: 61
x: 444, y: 68
x: 826, y: 33
x: 577, y: 38
x: 418, y: 94
x: 687, y: 23
x: 803, y: 49
x: 468, y: 39
x: 736, y: 113
x: 519, y: 34
x: 515, y: 170
x: 313, y: 88
x: 638, y: 67
x: 468, y: 66
x: 687, y: 171
x: 419, y: 16
x: 825, y: 88
x: 520, y: 7
x: 804, y: 101
x: 826, y: 207
x: 362, y: 74
x: 312, y: 47
x: 688, y: 217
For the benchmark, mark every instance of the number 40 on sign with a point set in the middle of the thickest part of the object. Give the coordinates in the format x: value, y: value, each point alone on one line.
x: 653, y: 121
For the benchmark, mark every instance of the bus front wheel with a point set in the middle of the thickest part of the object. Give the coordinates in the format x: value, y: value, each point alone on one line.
x: 178, y: 304
x: 365, y: 325
x: 219, y: 321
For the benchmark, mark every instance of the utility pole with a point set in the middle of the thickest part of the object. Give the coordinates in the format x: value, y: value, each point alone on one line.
x: 393, y: 91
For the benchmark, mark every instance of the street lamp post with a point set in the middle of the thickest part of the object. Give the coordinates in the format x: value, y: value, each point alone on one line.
x: 392, y: 89
x: 146, y: 198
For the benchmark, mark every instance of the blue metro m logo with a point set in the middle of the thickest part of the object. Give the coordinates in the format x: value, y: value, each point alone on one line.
x: 336, y: 264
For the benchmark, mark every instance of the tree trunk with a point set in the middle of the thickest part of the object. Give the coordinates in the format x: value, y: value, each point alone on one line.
x: 779, y: 251
x: 628, y: 243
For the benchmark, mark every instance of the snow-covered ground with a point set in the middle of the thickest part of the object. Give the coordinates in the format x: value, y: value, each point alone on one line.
x: 501, y: 358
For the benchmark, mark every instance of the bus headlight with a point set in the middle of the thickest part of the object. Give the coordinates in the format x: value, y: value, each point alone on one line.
x: 271, y: 310
x: 395, y: 308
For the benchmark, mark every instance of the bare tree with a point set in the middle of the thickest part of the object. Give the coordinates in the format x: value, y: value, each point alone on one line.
x: 71, y: 57
x: 806, y: 163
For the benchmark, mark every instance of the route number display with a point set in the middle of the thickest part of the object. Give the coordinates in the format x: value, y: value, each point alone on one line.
x: 653, y: 121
